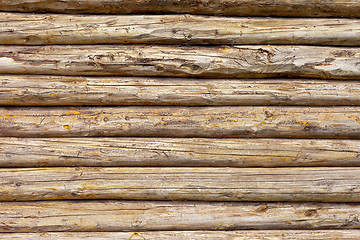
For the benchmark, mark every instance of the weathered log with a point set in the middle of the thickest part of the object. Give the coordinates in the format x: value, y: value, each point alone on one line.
x: 183, y: 61
x: 286, y: 122
x: 297, y: 8
x: 192, y: 235
x: 180, y: 152
x: 73, y: 216
x: 39, y: 90
x: 42, y: 29
x: 333, y: 184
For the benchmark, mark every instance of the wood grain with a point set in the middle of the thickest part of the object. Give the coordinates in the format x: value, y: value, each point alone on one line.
x: 173, y: 216
x: 192, y: 235
x: 236, y: 61
x: 260, y: 122
x: 334, y: 184
x: 177, y: 152
x: 39, y: 90
x: 42, y: 29
x: 297, y: 8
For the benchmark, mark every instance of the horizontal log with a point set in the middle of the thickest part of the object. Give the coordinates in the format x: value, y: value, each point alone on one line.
x: 192, y: 235
x: 183, y: 61
x: 261, y: 122
x: 178, y: 184
x: 297, y: 8
x: 39, y: 90
x: 78, y: 216
x: 177, y: 152
x: 42, y: 29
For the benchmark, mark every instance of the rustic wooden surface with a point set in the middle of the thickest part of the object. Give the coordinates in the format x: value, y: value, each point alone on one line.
x: 41, y: 29
x: 238, y: 61
x: 297, y: 8
x: 181, y: 152
x: 287, y: 122
x: 253, y: 177
x: 173, y: 216
x: 39, y: 90
x: 192, y: 235
x: 335, y: 184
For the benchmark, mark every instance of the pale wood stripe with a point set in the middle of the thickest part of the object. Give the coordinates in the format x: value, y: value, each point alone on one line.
x: 238, y: 61
x: 42, y: 29
x: 334, y: 184
x: 192, y: 235
x: 162, y: 216
x: 39, y: 90
x: 287, y: 122
x: 180, y: 152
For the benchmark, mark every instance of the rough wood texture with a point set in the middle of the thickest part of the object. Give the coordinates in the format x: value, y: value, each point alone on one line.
x: 162, y: 216
x: 39, y: 90
x: 297, y: 8
x: 287, y: 122
x: 181, y: 152
x: 192, y: 235
x: 183, y: 61
x: 200, y: 184
x: 42, y: 29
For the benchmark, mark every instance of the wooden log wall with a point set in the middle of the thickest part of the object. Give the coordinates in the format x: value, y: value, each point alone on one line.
x: 178, y: 120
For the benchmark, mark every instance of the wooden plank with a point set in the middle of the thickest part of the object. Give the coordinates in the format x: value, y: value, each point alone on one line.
x: 236, y: 61
x: 297, y: 8
x: 192, y: 235
x: 39, y: 90
x: 286, y: 122
x: 333, y: 184
x: 177, y: 152
x: 173, y: 216
x: 42, y: 29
